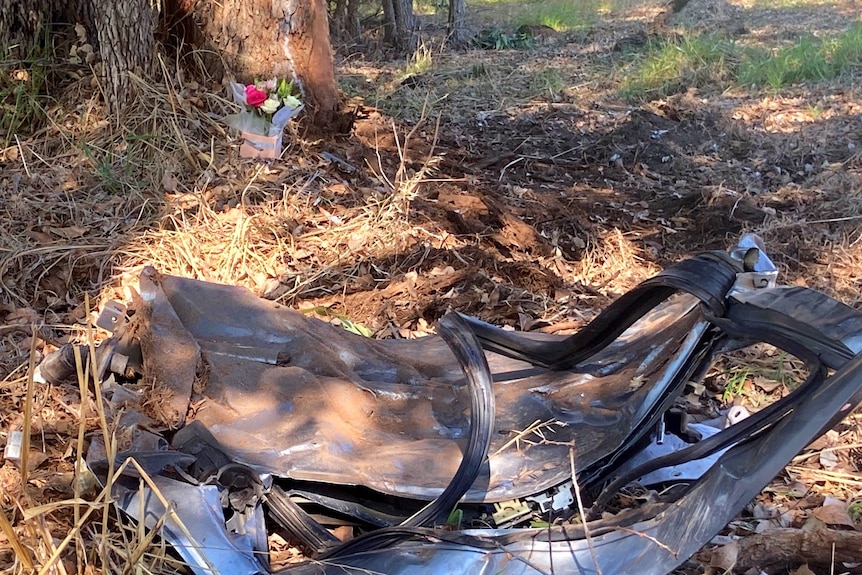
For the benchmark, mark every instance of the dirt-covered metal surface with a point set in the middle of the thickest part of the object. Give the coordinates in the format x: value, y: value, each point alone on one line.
x: 296, y: 397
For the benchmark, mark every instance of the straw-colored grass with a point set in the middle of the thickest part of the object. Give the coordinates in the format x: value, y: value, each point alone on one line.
x: 86, y: 201
x: 57, y: 535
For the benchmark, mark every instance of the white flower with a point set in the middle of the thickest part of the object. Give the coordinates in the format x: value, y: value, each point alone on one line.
x: 271, y: 84
x: 270, y: 105
x: 291, y: 102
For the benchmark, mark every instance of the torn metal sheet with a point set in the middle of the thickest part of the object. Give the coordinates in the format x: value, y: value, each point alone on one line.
x: 298, y: 398
x: 171, y: 354
x: 194, y: 525
x: 690, y: 470
x: 628, y: 544
x: 213, y: 517
x: 364, y: 433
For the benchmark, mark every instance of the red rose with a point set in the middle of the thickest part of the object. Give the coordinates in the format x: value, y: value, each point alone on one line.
x: 254, y: 97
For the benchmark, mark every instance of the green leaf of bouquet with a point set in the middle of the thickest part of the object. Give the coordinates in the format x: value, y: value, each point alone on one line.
x: 284, y: 88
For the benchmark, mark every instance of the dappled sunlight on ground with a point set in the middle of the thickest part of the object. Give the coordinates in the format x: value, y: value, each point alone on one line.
x: 516, y: 185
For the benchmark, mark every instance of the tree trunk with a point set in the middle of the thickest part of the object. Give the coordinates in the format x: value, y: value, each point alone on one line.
x: 340, y: 10
x: 122, y: 30
x: 399, y: 29
x: 457, y: 24
x: 345, y: 18
x: 125, y: 35
x: 389, y: 22
x: 254, y: 38
x: 354, y: 27
x: 405, y: 25
x: 259, y: 39
x: 21, y: 23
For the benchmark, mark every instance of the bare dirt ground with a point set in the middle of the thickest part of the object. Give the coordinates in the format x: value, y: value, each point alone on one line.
x: 516, y: 186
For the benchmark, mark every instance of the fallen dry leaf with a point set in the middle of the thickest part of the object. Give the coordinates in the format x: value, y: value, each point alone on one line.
x: 834, y: 515
x: 169, y: 182
x: 803, y: 569
x: 356, y: 241
x: 828, y: 459
x: 766, y: 384
x: 70, y: 232
x: 23, y: 316
x: 41, y: 238
x: 10, y: 154
x: 724, y: 557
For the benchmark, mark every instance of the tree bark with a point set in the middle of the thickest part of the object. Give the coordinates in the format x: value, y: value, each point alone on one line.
x: 399, y: 29
x: 354, y: 27
x: 259, y: 39
x: 122, y: 30
x: 125, y: 35
x: 389, y: 22
x: 457, y: 23
x: 345, y: 17
x: 405, y: 25
x: 21, y: 23
x: 788, y: 548
x: 254, y: 39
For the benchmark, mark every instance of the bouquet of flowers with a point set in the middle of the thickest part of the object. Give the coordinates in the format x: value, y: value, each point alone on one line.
x: 267, y: 107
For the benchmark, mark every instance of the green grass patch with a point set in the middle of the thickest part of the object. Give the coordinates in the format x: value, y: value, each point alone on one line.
x: 549, y: 83
x: 734, y: 385
x: 561, y: 15
x: 440, y: 7
x: 421, y: 61
x: 496, y: 38
x: 671, y: 65
x: 565, y: 15
x: 809, y: 59
x: 342, y: 320
x: 126, y: 167
x: 23, y: 90
x: 846, y: 50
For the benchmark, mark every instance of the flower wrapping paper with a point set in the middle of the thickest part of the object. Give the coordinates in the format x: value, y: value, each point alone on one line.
x: 248, y: 121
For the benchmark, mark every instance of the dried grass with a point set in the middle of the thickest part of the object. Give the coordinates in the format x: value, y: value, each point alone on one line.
x: 87, y: 203
x: 613, y: 260
x: 821, y: 239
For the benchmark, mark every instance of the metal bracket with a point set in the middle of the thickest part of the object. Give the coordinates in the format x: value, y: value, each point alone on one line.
x: 113, y: 316
x: 555, y: 499
x: 758, y: 270
x: 507, y: 513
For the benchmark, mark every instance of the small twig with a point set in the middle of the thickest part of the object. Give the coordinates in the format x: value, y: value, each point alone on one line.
x: 509, y: 165
x: 13, y: 328
x: 80, y: 464
x: 20, y: 552
x: 580, y: 501
x: 806, y: 456
x: 844, y: 478
x: 804, y: 222
x: 532, y: 428
x: 649, y: 537
x: 108, y: 437
x: 488, y: 162
x: 23, y: 157
x: 28, y: 411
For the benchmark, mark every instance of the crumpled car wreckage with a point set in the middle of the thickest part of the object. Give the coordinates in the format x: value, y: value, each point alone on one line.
x: 443, y: 452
